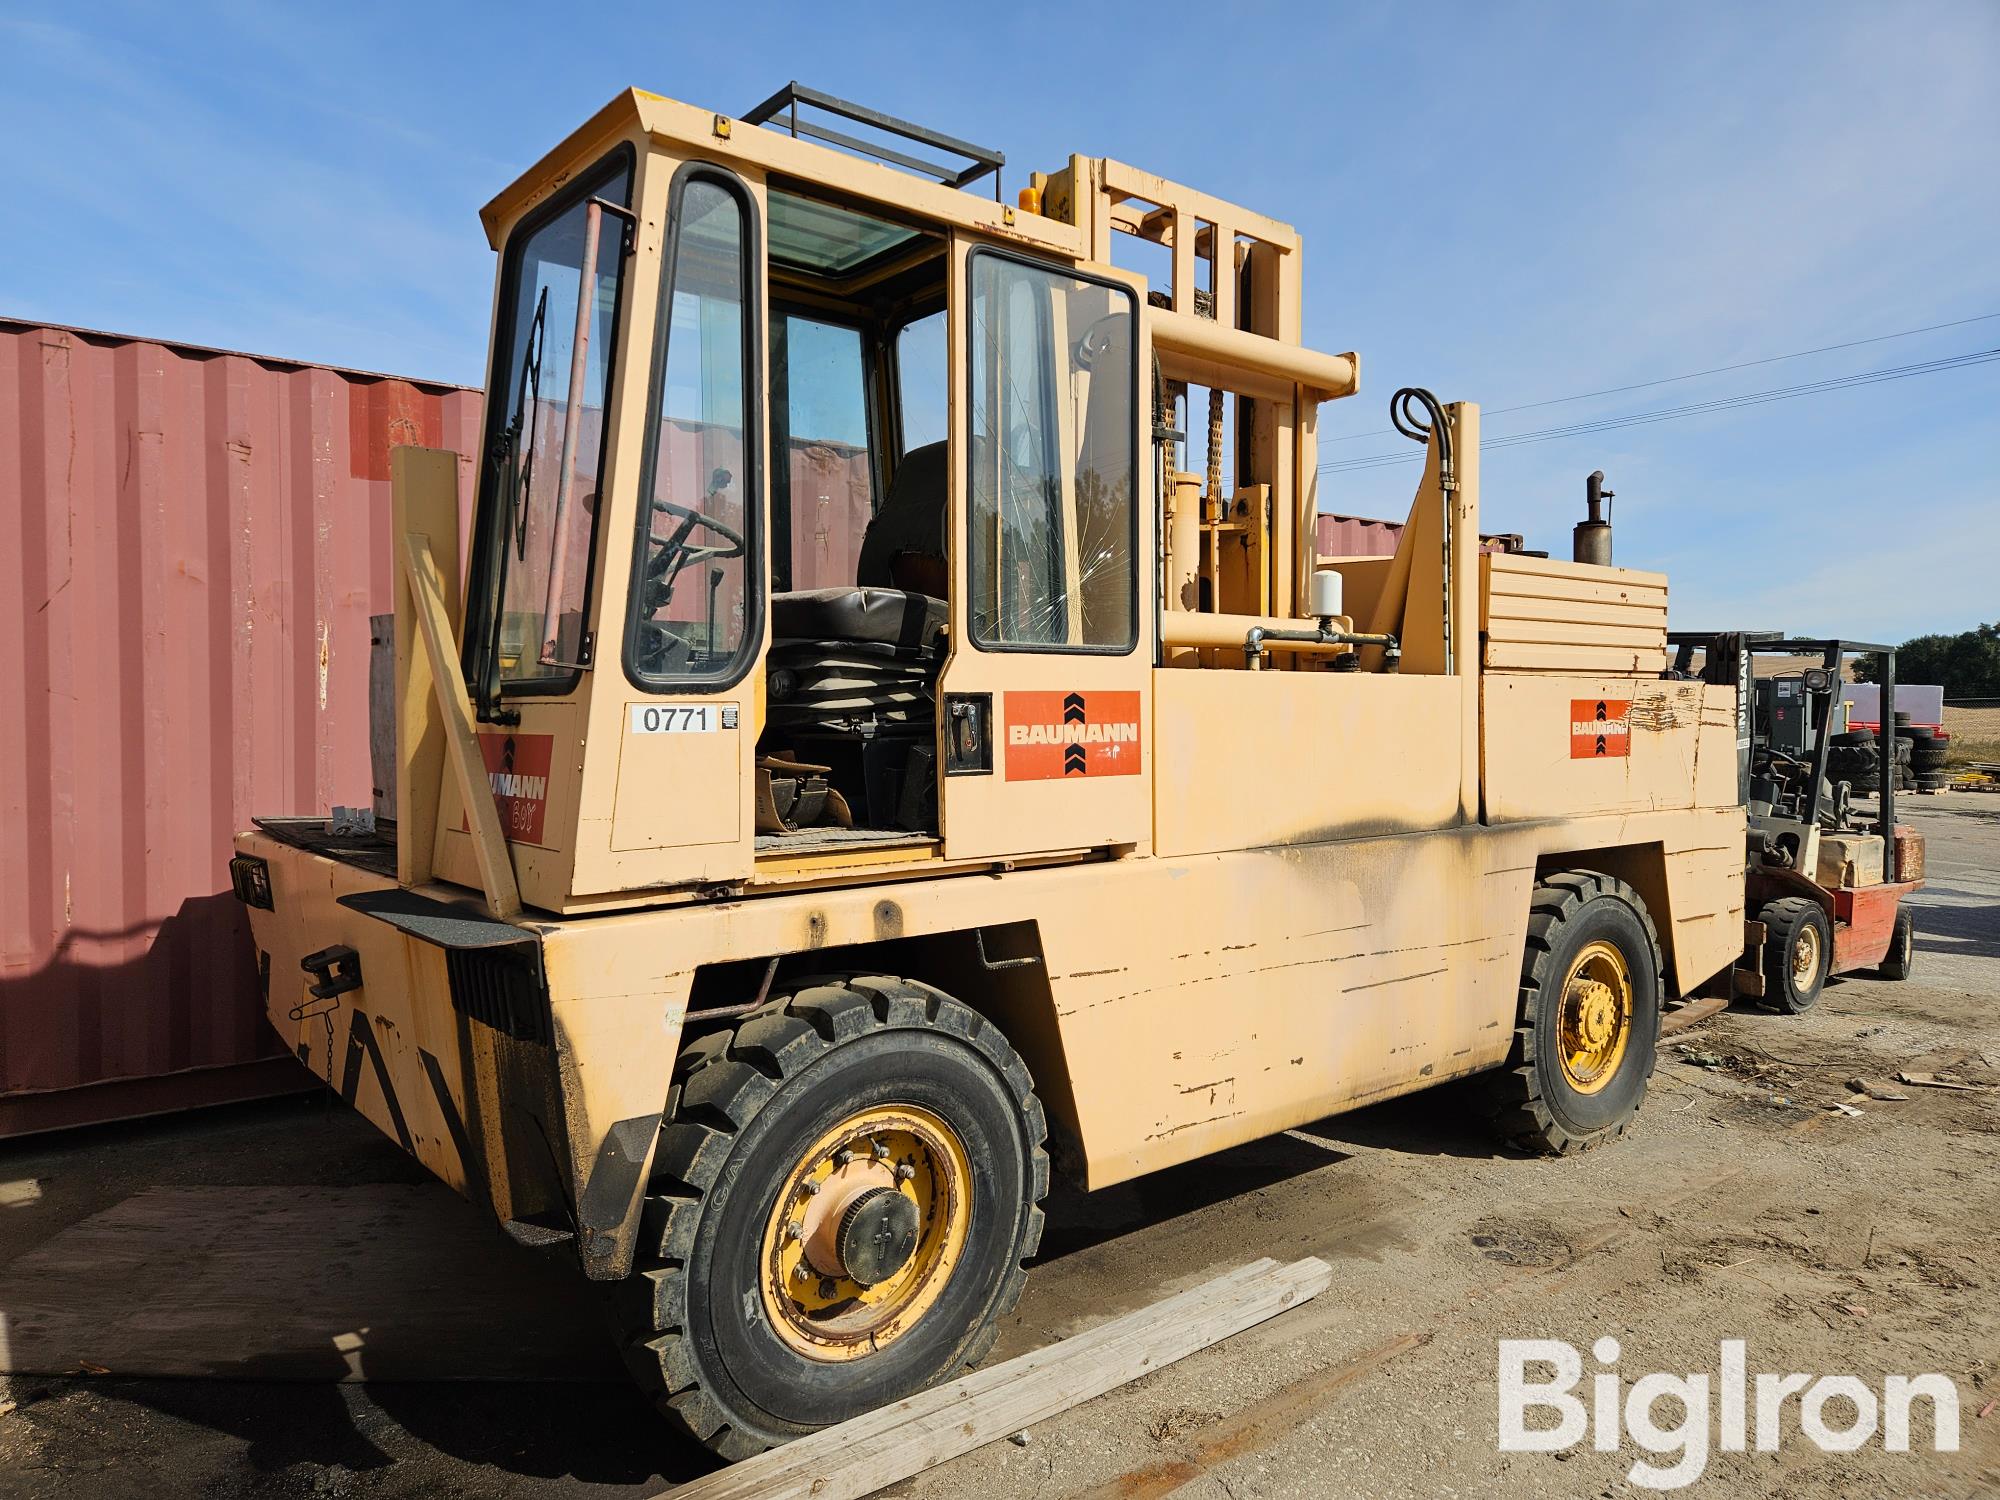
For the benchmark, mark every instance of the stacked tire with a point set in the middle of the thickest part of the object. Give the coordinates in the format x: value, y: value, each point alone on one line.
x: 1855, y: 758
x: 1851, y: 758
x: 1927, y: 756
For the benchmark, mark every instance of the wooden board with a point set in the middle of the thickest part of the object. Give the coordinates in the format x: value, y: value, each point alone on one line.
x: 1692, y: 1012
x: 860, y: 1456
x: 388, y: 1281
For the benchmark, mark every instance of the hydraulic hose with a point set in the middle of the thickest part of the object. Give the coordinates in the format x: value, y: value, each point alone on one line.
x: 1404, y: 409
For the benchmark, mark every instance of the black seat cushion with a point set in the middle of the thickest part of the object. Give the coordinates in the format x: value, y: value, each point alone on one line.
x: 912, y: 518
x: 888, y: 617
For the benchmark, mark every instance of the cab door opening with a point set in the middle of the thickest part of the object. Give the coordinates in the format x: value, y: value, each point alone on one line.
x: 859, y: 500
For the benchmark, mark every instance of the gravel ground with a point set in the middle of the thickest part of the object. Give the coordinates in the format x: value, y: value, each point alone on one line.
x: 1739, y: 1207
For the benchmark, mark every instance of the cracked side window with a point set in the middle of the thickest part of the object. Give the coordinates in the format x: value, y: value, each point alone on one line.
x: 1053, y: 460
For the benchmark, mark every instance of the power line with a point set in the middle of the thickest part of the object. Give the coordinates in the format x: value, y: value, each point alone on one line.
x: 1672, y: 413
x: 1614, y: 390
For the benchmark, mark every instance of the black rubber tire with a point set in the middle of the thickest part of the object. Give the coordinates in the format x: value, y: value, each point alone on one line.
x: 1902, y: 947
x: 1855, y: 739
x: 745, y: 1102
x: 1916, y: 732
x: 1532, y: 1104
x: 1929, y: 758
x: 1784, y: 920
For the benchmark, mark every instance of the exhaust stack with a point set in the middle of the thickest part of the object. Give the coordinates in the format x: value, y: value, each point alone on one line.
x: 1593, y: 533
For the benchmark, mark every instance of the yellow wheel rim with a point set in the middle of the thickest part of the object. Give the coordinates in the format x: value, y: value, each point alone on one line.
x: 1595, y: 1025
x: 847, y: 1268
x: 1805, y: 957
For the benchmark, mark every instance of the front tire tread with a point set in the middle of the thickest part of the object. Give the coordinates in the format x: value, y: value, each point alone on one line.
x: 721, y: 1082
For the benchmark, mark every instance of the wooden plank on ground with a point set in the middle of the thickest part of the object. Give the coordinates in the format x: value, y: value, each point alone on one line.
x: 860, y: 1456
x: 1693, y: 1011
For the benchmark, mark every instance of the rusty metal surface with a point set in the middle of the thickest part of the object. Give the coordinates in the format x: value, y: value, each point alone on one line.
x: 1358, y: 536
x: 191, y: 543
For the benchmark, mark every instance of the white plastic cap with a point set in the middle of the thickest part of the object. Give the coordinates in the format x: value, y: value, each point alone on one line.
x: 1326, y: 593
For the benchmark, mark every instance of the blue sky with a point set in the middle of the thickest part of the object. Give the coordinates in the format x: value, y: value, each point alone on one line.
x: 1504, y: 203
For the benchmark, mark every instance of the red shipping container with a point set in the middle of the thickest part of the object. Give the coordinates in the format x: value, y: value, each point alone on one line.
x: 191, y: 542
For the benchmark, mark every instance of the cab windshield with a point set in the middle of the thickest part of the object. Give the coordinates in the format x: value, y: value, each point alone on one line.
x: 527, y: 596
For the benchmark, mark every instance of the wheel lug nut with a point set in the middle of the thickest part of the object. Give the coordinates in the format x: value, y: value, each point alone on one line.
x: 905, y: 1172
x: 809, y: 1188
x: 795, y: 1231
x: 842, y: 1157
x: 802, y: 1272
x: 881, y: 1152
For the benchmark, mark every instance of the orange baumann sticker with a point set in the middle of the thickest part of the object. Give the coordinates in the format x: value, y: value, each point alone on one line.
x: 518, y: 767
x: 1052, y: 736
x: 1599, y: 726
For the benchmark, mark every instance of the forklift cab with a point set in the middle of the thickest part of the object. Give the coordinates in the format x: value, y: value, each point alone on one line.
x: 803, y: 479
x: 818, y: 529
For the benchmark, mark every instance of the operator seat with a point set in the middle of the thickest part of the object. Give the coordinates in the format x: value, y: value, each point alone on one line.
x: 869, y: 653
x: 897, y: 599
x: 904, y: 544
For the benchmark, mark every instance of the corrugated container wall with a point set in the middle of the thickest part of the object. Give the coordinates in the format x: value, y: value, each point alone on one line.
x: 191, y: 543
x: 1353, y: 536
x: 1357, y: 536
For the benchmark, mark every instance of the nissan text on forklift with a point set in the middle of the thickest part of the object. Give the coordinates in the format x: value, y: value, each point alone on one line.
x: 861, y: 772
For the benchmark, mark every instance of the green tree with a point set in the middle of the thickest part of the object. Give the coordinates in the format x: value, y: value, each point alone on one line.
x: 1967, y: 665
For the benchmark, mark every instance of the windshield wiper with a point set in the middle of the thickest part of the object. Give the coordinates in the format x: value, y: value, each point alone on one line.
x: 515, y: 471
x: 526, y: 403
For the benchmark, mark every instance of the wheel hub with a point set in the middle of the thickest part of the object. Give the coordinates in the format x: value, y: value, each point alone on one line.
x: 866, y: 1231
x: 1595, y: 1024
x: 1599, y: 1019
x: 826, y: 1203
x: 877, y: 1235
x: 1805, y: 956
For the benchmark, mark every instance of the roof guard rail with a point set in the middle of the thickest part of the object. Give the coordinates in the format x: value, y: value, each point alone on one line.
x: 980, y: 160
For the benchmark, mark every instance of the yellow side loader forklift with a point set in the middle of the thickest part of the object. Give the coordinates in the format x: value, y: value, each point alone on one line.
x: 856, y: 764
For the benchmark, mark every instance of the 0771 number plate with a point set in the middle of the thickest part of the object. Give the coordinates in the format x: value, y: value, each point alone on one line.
x: 682, y: 718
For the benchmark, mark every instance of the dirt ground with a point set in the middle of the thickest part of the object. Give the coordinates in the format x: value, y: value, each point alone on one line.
x: 1739, y: 1207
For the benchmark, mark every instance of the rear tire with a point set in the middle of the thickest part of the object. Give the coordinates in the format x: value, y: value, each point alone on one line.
x: 746, y: 1343
x: 1902, y: 947
x: 1798, y: 953
x: 1589, y: 1018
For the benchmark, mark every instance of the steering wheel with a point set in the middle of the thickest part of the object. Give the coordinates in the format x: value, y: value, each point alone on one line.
x: 700, y: 518
x: 673, y: 553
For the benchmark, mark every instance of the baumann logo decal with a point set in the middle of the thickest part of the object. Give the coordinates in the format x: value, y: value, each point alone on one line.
x: 1599, y: 726
x: 518, y: 767
x: 1053, y: 736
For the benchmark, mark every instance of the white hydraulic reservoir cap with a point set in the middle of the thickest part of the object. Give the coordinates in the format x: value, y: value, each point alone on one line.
x: 1326, y: 593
